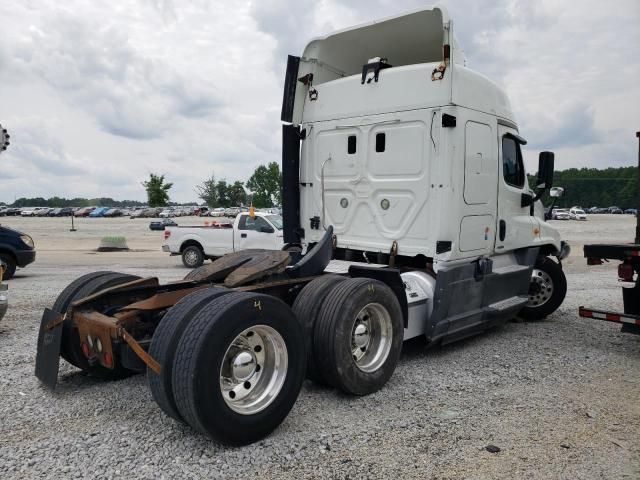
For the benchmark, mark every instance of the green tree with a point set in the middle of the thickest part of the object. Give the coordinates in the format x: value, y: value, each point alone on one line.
x: 266, y: 185
x: 222, y: 190
x: 237, y: 194
x: 208, y: 192
x: 157, y: 190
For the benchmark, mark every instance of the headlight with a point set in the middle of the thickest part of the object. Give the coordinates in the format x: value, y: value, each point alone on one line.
x: 27, y: 240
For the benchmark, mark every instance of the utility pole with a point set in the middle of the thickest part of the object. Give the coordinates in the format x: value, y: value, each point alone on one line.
x: 638, y: 194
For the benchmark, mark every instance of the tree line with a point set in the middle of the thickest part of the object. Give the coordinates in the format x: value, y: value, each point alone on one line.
x: 586, y: 187
x: 58, y: 202
x: 592, y: 187
x: 263, y: 189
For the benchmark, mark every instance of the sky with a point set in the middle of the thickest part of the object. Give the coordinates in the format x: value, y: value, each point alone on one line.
x: 96, y: 95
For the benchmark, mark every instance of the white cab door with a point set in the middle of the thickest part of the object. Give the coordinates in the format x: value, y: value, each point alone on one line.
x: 255, y: 233
x: 516, y: 227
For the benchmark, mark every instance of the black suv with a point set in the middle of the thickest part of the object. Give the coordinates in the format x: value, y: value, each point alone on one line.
x: 16, y: 250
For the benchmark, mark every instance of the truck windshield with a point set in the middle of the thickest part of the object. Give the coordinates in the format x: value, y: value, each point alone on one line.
x: 276, y: 221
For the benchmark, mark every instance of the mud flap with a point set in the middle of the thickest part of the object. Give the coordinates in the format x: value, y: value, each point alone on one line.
x: 48, y: 354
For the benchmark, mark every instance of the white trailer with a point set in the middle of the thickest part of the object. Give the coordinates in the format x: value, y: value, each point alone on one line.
x: 401, y: 164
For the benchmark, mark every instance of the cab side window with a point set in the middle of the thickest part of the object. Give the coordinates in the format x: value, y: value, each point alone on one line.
x: 248, y: 223
x: 512, y: 166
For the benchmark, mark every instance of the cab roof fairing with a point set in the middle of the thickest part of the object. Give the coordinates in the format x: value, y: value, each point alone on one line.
x: 413, y: 37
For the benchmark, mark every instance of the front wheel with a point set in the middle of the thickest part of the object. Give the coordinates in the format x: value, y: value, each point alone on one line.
x: 547, y: 290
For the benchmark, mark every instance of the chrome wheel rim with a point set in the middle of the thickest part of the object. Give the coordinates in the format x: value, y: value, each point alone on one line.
x: 371, y: 337
x: 253, y: 370
x: 540, y: 288
x: 191, y: 257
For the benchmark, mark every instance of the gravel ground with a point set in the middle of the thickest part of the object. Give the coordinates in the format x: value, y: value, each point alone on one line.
x: 559, y: 397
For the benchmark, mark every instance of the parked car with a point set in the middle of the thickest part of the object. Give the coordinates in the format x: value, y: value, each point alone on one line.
x: 165, y: 222
x: 98, y: 212
x: 217, y: 212
x: 577, y: 214
x: 32, y: 211
x: 113, y: 212
x: 137, y: 213
x: 151, y: 212
x: 231, y: 211
x: 167, y: 213
x: 202, y: 212
x: 43, y: 212
x: 560, y: 214
x: 84, y: 211
x: 631, y: 211
x: 615, y: 210
x: 16, y: 250
x: 196, y: 244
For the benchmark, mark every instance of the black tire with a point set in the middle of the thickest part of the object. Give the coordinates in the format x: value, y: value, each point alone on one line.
x: 9, y: 265
x: 306, y: 308
x: 165, y: 342
x: 192, y: 256
x: 543, y: 304
x: 199, y: 359
x: 334, y: 329
x: 67, y: 295
x: 70, y: 348
x: 194, y: 273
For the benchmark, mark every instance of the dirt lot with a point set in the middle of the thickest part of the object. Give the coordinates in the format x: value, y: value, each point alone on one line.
x: 558, y: 397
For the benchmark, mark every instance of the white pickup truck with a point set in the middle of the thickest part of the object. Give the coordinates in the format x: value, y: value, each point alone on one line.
x: 195, y: 244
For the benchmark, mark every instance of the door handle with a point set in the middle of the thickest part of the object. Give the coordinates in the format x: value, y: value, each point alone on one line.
x: 503, y: 230
x: 243, y: 235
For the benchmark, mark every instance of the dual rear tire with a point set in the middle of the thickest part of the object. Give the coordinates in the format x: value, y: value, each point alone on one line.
x: 354, y: 330
x: 233, y: 364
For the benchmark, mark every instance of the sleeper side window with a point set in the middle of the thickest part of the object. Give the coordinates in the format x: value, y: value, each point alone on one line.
x: 351, y: 144
x: 512, y: 166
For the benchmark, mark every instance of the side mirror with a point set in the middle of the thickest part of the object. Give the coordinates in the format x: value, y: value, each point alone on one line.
x: 267, y: 229
x: 545, y: 170
x: 556, y: 192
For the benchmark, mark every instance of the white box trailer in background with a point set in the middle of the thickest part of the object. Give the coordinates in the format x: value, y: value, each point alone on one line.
x: 400, y: 163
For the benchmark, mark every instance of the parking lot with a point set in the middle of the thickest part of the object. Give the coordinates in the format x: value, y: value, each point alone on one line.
x: 558, y: 397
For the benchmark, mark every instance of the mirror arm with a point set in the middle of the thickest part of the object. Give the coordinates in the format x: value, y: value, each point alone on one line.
x: 537, y: 197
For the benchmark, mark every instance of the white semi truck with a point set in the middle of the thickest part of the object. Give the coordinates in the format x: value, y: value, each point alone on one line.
x: 399, y: 163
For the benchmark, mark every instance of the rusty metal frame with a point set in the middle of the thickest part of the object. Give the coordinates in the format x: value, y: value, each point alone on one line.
x: 108, y: 329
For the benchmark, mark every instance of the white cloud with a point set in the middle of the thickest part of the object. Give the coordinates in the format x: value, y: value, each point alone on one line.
x: 99, y: 94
